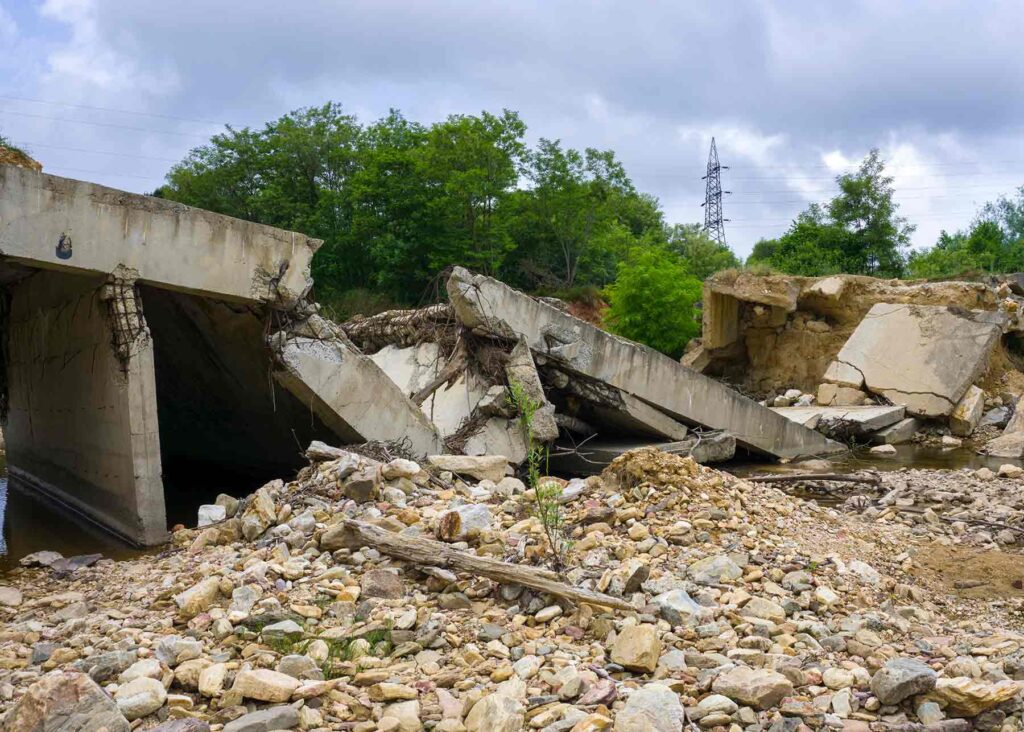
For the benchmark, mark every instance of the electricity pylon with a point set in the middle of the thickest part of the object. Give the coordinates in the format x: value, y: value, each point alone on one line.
x: 714, y: 224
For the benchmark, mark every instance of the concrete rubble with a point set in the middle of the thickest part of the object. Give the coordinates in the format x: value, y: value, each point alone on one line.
x: 720, y: 603
x: 947, y: 354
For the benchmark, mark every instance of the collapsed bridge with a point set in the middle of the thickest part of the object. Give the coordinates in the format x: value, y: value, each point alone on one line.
x: 150, y: 350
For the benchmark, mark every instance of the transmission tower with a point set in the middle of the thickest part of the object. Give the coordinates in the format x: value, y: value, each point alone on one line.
x: 714, y: 224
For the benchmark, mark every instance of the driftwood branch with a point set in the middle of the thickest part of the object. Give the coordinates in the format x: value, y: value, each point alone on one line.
x: 426, y: 552
x: 870, y: 478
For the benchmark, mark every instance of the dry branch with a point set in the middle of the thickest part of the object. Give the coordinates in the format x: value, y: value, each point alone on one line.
x: 870, y: 479
x: 426, y: 552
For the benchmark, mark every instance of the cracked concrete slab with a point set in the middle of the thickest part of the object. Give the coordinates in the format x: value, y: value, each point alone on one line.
x: 492, y: 308
x: 924, y: 357
x: 867, y: 419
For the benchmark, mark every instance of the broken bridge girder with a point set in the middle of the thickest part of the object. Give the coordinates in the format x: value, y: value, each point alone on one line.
x: 402, y: 328
x: 490, y: 307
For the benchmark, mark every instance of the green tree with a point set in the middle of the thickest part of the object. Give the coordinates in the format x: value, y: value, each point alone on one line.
x: 857, y: 232
x: 653, y: 300
x: 702, y: 255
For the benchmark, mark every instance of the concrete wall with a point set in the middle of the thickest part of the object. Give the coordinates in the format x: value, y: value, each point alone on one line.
x: 81, y: 428
x: 162, y: 242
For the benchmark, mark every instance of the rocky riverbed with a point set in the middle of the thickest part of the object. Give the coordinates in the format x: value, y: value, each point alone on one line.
x: 749, y: 609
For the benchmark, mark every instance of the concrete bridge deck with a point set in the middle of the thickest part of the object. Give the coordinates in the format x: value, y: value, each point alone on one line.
x: 149, y: 348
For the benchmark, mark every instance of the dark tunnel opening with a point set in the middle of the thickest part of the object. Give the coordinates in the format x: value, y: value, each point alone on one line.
x: 225, y: 424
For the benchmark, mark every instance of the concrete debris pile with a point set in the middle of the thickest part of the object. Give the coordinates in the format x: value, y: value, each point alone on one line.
x: 457, y: 360
x: 877, y: 360
x: 690, y: 598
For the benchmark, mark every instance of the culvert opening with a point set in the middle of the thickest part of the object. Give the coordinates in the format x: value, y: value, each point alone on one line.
x: 225, y: 425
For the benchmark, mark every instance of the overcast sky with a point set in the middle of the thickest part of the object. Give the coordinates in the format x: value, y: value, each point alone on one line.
x: 794, y: 92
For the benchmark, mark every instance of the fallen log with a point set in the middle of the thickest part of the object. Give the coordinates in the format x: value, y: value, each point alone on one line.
x: 870, y: 479
x: 429, y: 553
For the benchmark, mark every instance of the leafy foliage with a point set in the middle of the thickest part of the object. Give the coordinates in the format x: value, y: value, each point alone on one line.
x: 702, y: 255
x: 396, y: 202
x: 547, y: 509
x: 994, y: 243
x: 653, y: 300
x: 857, y: 232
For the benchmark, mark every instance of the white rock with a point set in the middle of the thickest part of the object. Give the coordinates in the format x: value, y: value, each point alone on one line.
x: 140, y: 697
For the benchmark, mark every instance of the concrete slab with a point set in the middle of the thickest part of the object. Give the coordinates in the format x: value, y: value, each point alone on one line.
x: 491, y: 307
x: 869, y: 419
x: 922, y: 356
x: 897, y: 434
x: 968, y: 412
x: 73, y: 226
x: 347, y: 390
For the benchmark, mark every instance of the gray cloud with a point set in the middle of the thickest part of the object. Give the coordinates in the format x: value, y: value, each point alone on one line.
x: 792, y: 91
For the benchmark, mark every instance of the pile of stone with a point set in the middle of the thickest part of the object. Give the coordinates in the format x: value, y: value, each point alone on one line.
x: 718, y: 603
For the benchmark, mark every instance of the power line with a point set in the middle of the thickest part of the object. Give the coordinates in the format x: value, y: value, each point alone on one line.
x: 48, y: 168
x: 104, y: 124
x: 115, y: 111
x: 32, y: 145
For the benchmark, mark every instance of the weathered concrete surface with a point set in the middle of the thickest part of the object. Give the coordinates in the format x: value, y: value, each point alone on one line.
x: 489, y: 306
x: 160, y: 242
x: 347, y: 390
x: 82, y: 426
x: 968, y: 412
x: 922, y: 356
x: 897, y: 434
x: 1010, y: 444
x: 867, y: 419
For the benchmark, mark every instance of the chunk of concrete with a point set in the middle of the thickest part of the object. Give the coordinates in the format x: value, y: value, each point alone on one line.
x: 922, y: 356
x: 968, y: 412
x: 867, y: 418
x: 492, y: 308
x: 897, y: 434
x: 1010, y: 444
x: 481, y: 467
x: 843, y: 374
x: 833, y: 395
x: 317, y: 363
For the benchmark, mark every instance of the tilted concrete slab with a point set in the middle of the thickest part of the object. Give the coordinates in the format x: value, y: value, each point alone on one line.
x: 489, y: 306
x: 922, y: 356
x: 868, y: 419
x: 59, y: 223
x: 595, y: 455
x: 346, y: 389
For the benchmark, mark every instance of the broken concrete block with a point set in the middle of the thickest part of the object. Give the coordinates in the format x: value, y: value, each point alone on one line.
x: 707, y: 448
x: 833, y: 395
x: 521, y: 370
x: 902, y: 431
x: 922, y: 356
x: 844, y: 374
x: 490, y: 307
x: 347, y: 390
x: 481, y: 467
x: 363, y: 485
x: 867, y: 419
x: 968, y: 412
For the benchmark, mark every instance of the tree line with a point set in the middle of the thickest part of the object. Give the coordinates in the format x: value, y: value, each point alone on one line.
x: 396, y: 202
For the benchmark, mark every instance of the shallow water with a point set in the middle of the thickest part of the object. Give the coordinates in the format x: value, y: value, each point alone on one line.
x: 30, y: 525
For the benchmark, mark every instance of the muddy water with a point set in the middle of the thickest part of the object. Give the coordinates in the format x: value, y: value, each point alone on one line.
x: 30, y: 525
x: 907, y: 456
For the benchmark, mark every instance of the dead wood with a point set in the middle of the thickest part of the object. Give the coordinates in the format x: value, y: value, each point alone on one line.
x: 457, y: 363
x: 869, y: 478
x: 429, y: 553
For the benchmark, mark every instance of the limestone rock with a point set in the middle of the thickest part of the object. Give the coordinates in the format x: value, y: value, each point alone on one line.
x: 651, y: 708
x: 199, y: 597
x: 363, y: 485
x: 10, y: 596
x: 265, y: 685
x: 714, y: 569
x: 64, y: 701
x: 406, y: 714
x: 967, y: 697
x: 140, y: 697
x: 902, y: 678
x: 381, y: 583
x: 460, y: 522
x: 265, y: 720
x: 760, y: 688
x: 481, y: 467
x: 637, y: 648
x: 496, y: 713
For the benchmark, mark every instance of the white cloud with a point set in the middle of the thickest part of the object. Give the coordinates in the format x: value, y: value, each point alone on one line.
x: 8, y: 28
